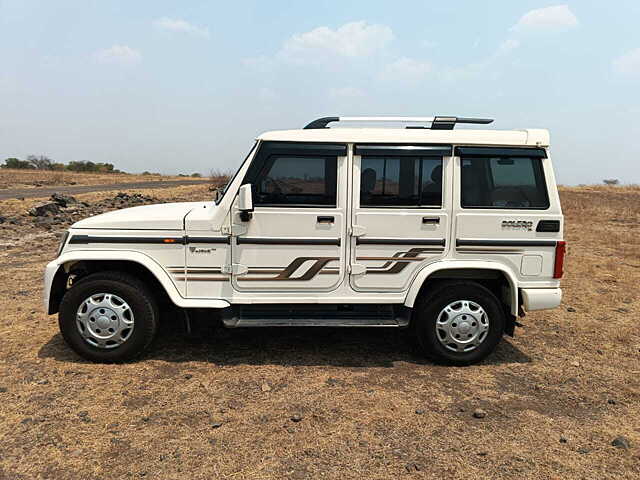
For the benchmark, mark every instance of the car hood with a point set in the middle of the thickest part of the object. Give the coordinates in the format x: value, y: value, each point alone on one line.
x: 166, y: 216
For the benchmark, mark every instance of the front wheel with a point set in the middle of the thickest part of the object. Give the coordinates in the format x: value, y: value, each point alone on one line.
x: 459, y: 323
x: 108, y: 317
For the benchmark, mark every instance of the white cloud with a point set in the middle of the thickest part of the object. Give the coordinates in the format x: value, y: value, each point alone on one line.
x: 351, y: 40
x: 557, y: 17
x: 628, y: 64
x: 180, y: 26
x: 345, y: 93
x: 507, y: 47
x: 407, y: 70
x: 118, y: 54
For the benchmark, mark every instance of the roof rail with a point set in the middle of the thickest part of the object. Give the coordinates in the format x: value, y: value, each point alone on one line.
x: 437, y: 123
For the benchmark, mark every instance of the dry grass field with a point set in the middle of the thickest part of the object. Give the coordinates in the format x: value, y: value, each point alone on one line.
x: 34, y: 178
x: 347, y: 404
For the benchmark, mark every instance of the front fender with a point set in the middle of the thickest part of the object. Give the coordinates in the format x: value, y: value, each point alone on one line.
x: 427, y: 271
x: 128, y: 256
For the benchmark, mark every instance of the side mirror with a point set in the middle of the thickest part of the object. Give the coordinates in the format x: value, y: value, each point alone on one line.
x: 245, y: 202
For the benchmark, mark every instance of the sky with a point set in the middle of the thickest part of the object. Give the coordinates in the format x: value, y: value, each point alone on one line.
x: 177, y: 86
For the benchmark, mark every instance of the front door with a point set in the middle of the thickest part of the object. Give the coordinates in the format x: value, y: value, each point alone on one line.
x: 401, y: 213
x: 294, y: 240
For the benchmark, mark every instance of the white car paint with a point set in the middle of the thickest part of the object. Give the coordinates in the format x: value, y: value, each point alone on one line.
x: 210, y: 272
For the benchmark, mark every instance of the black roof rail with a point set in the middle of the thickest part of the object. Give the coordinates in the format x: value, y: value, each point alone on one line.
x: 437, y: 122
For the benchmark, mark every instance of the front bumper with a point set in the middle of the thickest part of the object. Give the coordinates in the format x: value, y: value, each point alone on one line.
x: 540, y: 298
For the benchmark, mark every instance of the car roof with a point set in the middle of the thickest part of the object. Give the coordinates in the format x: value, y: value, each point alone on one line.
x: 526, y: 137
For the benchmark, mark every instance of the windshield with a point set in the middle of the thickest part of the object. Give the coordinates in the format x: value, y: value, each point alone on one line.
x: 226, y: 187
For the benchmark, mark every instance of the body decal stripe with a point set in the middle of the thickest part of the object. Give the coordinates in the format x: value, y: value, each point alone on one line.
x: 400, y: 241
x: 184, y: 240
x: 287, y: 241
x: 461, y: 242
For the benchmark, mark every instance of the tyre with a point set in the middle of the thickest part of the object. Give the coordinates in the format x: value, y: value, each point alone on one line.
x: 108, y: 317
x: 459, y: 323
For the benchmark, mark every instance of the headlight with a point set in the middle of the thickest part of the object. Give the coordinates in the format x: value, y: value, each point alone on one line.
x: 63, y: 241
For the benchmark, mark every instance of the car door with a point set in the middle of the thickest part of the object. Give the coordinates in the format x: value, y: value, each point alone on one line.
x: 504, y: 211
x: 294, y: 238
x: 400, y: 216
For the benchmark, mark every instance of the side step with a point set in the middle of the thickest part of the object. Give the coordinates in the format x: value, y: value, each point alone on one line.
x: 302, y: 315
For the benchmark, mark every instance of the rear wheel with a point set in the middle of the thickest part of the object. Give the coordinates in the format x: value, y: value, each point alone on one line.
x: 459, y: 323
x: 108, y: 317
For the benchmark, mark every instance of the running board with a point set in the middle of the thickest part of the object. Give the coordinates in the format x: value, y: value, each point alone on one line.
x: 316, y: 316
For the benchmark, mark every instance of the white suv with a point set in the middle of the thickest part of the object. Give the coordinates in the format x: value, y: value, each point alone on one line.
x: 452, y: 233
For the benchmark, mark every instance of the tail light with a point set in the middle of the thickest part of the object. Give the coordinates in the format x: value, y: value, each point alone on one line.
x: 561, y: 248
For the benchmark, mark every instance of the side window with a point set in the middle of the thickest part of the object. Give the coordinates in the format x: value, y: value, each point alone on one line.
x: 503, y: 182
x: 287, y: 180
x: 401, y: 181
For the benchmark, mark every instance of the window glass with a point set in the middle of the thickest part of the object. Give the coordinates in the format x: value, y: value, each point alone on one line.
x: 296, y: 180
x: 401, y: 181
x: 505, y: 182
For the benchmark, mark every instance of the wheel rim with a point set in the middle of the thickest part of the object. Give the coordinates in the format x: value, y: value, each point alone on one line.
x: 462, y: 326
x: 105, y: 320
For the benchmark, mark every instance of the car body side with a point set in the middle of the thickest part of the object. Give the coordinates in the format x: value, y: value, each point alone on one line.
x: 187, y: 248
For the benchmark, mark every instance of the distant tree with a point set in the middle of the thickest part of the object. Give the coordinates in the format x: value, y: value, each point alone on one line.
x: 16, y: 163
x: 196, y: 175
x: 40, y: 162
x: 88, y: 166
x: 611, y: 181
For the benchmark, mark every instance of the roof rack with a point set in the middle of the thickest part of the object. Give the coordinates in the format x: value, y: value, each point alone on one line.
x: 437, y: 123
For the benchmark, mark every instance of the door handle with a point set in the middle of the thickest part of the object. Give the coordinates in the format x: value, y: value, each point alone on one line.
x: 430, y: 220
x: 325, y: 219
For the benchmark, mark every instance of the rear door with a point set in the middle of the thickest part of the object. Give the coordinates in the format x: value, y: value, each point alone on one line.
x: 401, y: 213
x: 294, y: 240
x: 504, y: 210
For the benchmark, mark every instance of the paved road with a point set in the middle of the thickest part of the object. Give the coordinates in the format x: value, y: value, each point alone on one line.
x: 72, y: 189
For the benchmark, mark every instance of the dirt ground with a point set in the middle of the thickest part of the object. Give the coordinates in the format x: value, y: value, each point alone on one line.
x: 329, y: 403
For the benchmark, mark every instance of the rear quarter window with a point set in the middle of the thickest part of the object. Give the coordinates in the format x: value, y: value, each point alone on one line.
x: 503, y: 182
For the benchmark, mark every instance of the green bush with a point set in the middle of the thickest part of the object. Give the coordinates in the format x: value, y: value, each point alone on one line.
x: 18, y: 164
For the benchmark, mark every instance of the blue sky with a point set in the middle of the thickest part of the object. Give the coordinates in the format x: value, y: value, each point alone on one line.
x: 186, y: 86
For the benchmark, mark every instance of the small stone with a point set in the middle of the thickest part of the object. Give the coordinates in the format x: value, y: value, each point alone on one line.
x: 216, y: 424
x: 296, y: 418
x: 583, y: 451
x: 265, y: 387
x: 611, y: 401
x: 76, y: 453
x: 571, y: 309
x: 419, y: 411
x: 621, y: 442
x: 83, y: 414
x: 563, y: 439
x: 412, y: 467
x: 188, y: 376
x: 479, y: 413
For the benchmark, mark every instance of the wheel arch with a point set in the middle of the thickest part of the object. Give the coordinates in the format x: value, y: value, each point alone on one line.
x: 136, y: 263
x: 483, y: 272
